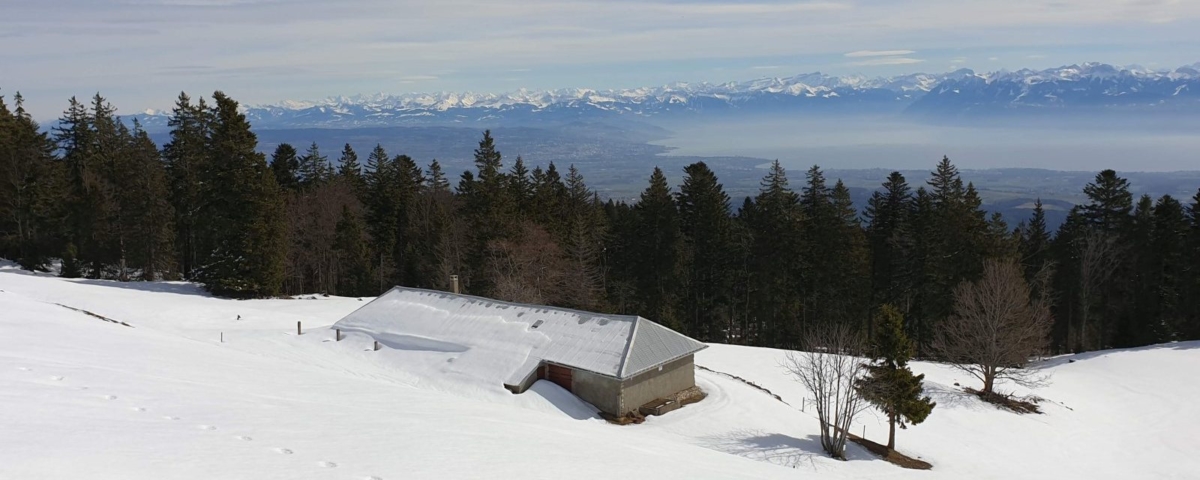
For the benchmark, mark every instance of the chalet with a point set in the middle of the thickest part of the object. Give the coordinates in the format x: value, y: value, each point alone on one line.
x: 618, y: 363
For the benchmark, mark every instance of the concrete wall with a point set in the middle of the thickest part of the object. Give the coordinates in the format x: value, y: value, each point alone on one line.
x: 616, y: 397
x: 672, y: 378
x: 601, y: 391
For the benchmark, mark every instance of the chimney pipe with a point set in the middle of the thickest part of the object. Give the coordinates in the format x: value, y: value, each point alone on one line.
x: 454, y: 283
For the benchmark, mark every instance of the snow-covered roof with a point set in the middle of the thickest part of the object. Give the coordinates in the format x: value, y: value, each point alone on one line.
x: 618, y: 346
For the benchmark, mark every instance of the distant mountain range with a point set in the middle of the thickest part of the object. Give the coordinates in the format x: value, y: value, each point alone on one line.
x: 962, y: 92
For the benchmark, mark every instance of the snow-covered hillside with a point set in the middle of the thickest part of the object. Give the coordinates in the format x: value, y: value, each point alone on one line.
x: 164, y: 397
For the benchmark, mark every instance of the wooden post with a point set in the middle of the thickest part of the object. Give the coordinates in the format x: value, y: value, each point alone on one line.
x: 337, y: 335
x: 298, y: 328
x: 454, y: 283
x: 222, y: 337
x: 864, y: 435
x: 377, y: 345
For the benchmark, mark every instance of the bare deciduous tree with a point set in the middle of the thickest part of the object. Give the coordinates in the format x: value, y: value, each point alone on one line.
x: 529, y: 268
x: 828, y: 367
x: 996, y: 327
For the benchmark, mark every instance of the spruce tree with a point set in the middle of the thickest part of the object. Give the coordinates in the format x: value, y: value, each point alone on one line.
x: 890, y: 237
x: 437, y: 178
x: 313, y: 169
x: 75, y: 141
x: 1167, y: 272
x: 658, y: 244
x: 285, y: 165
x: 187, y: 161
x: 146, y: 208
x: 705, y: 222
x: 382, y: 210
x: 349, y: 168
x: 1035, y: 242
x: 582, y: 242
x: 355, y: 278
x: 1109, y: 202
x: 521, y: 187
x: 774, y: 222
x: 890, y: 385
x: 29, y: 192
x: 243, y: 215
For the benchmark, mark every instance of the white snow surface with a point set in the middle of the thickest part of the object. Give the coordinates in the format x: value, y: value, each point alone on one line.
x: 165, y: 398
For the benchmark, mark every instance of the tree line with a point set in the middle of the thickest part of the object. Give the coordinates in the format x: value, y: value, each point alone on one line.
x: 97, y: 195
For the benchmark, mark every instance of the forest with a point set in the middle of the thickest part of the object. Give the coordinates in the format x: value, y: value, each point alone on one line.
x: 94, y: 197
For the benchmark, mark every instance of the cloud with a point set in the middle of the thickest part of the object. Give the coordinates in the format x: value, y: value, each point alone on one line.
x: 1036, y: 56
x: 958, y: 60
x: 994, y: 58
x: 874, y: 62
x: 418, y: 78
x: 879, y: 53
x: 766, y: 67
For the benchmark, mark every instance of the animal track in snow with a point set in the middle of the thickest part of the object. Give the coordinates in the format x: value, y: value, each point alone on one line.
x: 284, y: 451
x: 109, y: 397
x: 243, y: 438
x: 326, y: 464
x: 206, y: 427
x: 138, y: 409
x: 25, y: 369
x: 168, y: 417
x: 83, y: 388
x: 372, y: 478
x: 56, y: 378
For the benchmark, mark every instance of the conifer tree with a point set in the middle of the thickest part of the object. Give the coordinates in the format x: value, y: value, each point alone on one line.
x: 29, y: 191
x: 521, y: 187
x: 349, y: 168
x: 1167, y: 276
x: 852, y: 275
x: 890, y: 385
x: 243, y: 213
x: 186, y: 160
x: 774, y: 221
x: 147, y: 211
x: 1109, y: 202
x: 489, y: 209
x: 313, y: 169
x: 582, y: 243
x: 658, y: 245
x: 437, y: 178
x: 1035, y: 242
x: 382, y: 210
x: 705, y: 222
x: 407, y: 185
x: 75, y: 139
x: 890, y: 237
x: 285, y: 165
x: 354, y: 259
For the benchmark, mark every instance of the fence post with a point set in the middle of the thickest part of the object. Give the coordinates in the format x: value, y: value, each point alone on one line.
x: 864, y: 435
x: 377, y: 345
x: 298, y: 328
x: 337, y: 335
x: 222, y: 337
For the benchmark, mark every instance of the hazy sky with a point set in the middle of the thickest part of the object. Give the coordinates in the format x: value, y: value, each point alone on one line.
x: 141, y: 53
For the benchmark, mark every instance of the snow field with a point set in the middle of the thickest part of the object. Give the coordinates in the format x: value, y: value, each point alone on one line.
x: 83, y: 398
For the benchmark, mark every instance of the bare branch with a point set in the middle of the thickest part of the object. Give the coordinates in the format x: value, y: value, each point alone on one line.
x: 828, y: 368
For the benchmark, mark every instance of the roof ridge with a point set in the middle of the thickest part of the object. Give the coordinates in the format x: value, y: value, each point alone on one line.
x: 629, y: 345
